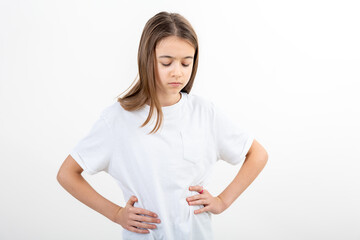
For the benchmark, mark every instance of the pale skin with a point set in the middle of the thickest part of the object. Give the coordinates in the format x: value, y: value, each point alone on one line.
x: 178, y: 55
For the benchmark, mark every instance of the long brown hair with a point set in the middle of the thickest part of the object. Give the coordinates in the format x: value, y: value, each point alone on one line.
x: 161, y: 25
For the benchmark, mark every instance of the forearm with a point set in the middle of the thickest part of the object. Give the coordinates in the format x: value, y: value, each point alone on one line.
x: 78, y: 187
x: 251, y: 168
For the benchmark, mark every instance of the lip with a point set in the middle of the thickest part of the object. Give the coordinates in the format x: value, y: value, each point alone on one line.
x: 175, y: 84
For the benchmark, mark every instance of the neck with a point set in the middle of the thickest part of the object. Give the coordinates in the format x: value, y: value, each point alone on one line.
x: 168, y: 100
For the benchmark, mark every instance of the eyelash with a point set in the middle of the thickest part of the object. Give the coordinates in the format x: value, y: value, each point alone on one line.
x: 166, y: 65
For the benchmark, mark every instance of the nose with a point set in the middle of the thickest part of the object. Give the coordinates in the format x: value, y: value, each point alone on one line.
x: 177, y: 72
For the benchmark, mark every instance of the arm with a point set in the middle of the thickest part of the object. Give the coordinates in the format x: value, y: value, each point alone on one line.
x: 255, y: 161
x: 69, y: 177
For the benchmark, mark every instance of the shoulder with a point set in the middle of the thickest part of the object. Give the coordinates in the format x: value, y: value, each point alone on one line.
x: 200, y: 102
x: 111, y: 112
x: 207, y: 105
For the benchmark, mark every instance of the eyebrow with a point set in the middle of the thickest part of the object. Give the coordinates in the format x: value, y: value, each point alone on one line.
x: 167, y: 56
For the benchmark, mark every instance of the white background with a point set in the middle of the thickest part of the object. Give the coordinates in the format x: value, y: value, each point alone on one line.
x: 288, y: 71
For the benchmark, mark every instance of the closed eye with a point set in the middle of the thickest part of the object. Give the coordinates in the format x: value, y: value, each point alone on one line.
x: 166, y: 65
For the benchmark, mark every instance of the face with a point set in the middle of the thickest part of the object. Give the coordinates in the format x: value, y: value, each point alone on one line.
x: 174, y: 62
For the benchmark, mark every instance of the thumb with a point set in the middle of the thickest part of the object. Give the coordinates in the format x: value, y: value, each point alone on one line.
x: 132, y: 200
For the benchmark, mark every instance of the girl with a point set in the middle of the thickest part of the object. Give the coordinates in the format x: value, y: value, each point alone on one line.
x: 163, y: 168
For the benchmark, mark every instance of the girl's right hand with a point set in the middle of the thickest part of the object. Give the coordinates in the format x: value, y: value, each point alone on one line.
x: 128, y: 217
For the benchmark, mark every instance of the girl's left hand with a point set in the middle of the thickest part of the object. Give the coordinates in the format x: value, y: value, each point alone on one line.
x: 211, y: 204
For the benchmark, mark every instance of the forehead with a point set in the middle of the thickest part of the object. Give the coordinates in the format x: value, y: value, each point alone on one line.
x: 175, y: 47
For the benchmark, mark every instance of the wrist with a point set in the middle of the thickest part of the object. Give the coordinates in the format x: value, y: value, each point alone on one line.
x: 224, y: 206
x: 116, y: 213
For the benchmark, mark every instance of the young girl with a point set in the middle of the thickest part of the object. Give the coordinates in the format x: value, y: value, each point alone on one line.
x: 163, y: 167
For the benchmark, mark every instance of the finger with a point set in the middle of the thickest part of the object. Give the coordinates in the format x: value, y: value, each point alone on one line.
x: 196, y: 188
x: 201, y: 210
x: 134, y: 229
x: 195, y: 197
x: 145, y: 219
x: 144, y: 211
x: 142, y: 225
x: 132, y: 200
x: 198, y: 202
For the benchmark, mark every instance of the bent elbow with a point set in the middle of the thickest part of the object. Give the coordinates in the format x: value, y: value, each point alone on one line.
x: 60, y: 176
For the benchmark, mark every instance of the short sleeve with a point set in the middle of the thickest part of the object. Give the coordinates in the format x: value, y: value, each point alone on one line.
x: 232, y: 141
x: 93, y: 152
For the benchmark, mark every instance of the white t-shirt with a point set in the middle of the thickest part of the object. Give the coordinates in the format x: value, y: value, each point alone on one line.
x: 159, y: 168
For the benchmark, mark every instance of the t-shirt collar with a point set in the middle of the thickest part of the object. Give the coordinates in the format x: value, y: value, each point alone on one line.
x: 172, y: 109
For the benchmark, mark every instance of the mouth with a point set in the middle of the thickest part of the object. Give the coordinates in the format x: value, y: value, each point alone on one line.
x: 175, y: 84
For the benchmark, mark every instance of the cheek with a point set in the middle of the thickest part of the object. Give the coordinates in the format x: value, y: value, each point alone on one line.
x: 188, y: 72
x: 162, y: 73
